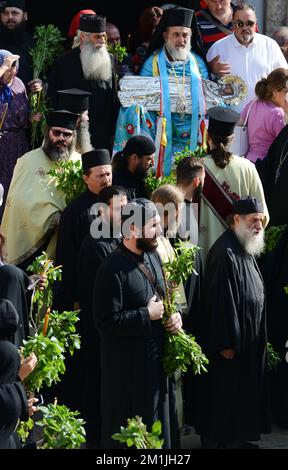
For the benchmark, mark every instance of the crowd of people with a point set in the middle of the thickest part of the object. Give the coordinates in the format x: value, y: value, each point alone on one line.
x: 112, y: 240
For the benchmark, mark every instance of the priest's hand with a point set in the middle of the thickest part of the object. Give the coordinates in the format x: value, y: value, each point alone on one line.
x: 219, y: 68
x: 174, y: 324
x: 155, y: 308
x: 228, y: 353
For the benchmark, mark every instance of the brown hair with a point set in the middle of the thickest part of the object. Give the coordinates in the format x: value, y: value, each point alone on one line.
x: 167, y: 194
x: 275, y: 81
x: 187, y: 169
x: 220, y: 153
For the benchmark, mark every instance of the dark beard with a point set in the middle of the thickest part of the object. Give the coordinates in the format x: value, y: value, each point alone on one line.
x: 146, y: 244
x: 15, y: 36
x: 56, y: 154
x: 197, y: 193
x: 141, y: 173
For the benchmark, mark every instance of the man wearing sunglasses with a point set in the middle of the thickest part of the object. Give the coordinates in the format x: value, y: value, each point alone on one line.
x: 34, y: 204
x: 246, y: 53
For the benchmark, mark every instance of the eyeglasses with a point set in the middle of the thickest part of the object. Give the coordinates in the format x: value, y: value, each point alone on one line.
x: 57, y: 133
x: 240, y: 24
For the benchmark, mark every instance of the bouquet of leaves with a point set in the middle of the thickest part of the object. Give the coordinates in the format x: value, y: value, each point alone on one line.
x: 199, y: 152
x: 48, y: 45
x: 62, y: 429
x: 272, y: 357
x: 118, y: 51
x: 136, y: 434
x: 180, y: 349
x: 55, y: 333
x: 43, y: 298
x: 69, y: 179
x: 286, y: 290
x: 272, y: 235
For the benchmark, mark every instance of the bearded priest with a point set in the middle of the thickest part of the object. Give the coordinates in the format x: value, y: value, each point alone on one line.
x: 90, y: 67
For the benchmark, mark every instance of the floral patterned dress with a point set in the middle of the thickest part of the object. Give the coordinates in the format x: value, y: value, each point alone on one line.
x: 13, y: 140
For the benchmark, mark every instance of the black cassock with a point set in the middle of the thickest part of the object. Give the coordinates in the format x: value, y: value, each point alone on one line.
x: 92, y: 253
x: 133, y: 378
x: 233, y: 398
x: 67, y: 73
x: 20, y: 44
x: 274, y: 268
x: 273, y: 171
x: 74, y: 225
x: 13, y: 287
x: 133, y: 185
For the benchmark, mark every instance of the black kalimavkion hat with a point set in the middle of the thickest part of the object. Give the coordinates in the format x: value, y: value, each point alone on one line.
x: 73, y: 100
x: 92, y: 24
x: 95, y: 157
x: 222, y: 120
x: 247, y: 205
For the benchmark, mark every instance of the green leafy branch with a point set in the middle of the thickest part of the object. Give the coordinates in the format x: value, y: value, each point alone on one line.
x: 63, y: 327
x: 69, y: 179
x: 199, y: 152
x: 43, y: 298
x: 50, y: 361
x: 48, y: 45
x: 286, y: 290
x: 180, y: 349
x: 272, y: 235
x: 136, y: 434
x: 118, y: 51
x: 272, y: 357
x: 62, y: 429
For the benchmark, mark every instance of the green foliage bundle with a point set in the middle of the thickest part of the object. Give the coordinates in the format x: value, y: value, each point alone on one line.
x: 55, y: 333
x: 61, y: 428
x: 272, y: 235
x: 152, y: 182
x: 180, y: 349
x: 44, y: 266
x: 50, y: 361
x: 63, y: 327
x: 136, y: 434
x: 118, y: 51
x: 272, y: 357
x: 69, y: 179
x: 286, y: 290
x: 24, y: 428
x: 48, y: 45
x: 199, y: 152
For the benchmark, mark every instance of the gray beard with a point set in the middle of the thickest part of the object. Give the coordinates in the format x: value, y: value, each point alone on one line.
x: 96, y: 63
x: 58, y: 155
x: 178, y: 54
x: 83, y: 139
x: 252, y: 243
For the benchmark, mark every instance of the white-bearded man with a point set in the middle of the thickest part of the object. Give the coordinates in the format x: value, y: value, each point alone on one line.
x: 232, y: 404
x: 90, y: 67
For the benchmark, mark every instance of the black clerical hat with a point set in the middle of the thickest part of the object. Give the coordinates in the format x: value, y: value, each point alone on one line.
x: 8, y: 318
x: 247, y: 205
x: 21, y: 4
x: 92, y: 24
x: 62, y: 118
x: 139, y: 211
x: 139, y: 144
x: 222, y: 120
x: 178, y: 17
x: 73, y: 100
x: 95, y: 157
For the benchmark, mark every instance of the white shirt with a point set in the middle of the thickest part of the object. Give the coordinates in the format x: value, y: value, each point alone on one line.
x: 250, y: 63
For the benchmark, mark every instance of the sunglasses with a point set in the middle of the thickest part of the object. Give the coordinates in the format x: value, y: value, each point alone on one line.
x: 240, y: 24
x: 57, y: 133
